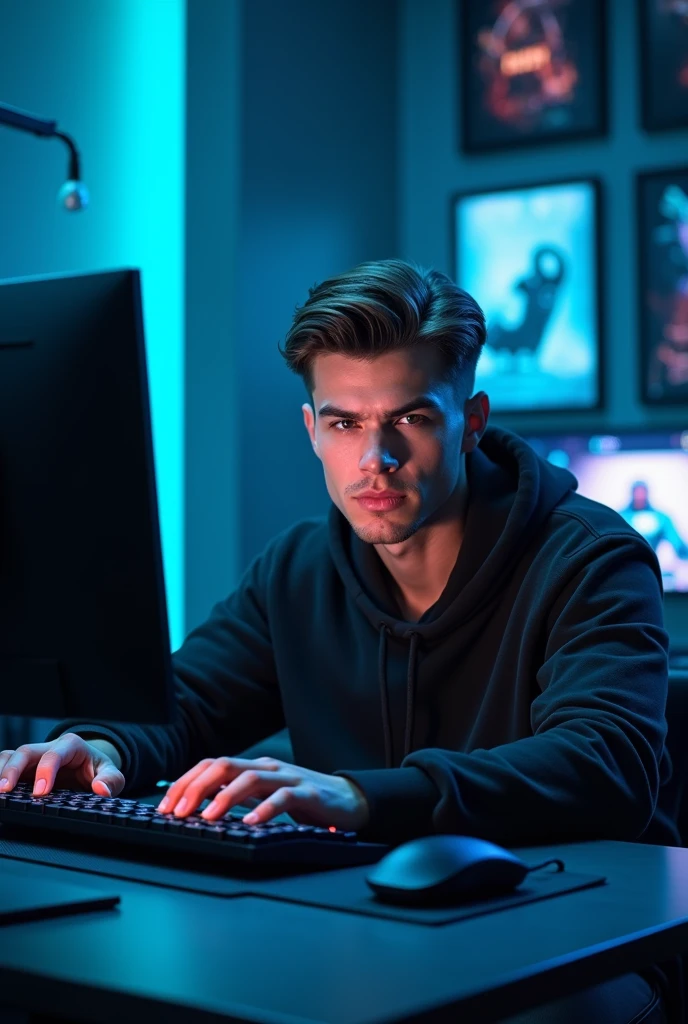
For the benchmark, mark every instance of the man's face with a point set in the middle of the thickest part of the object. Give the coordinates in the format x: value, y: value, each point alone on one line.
x: 640, y: 496
x: 415, y: 453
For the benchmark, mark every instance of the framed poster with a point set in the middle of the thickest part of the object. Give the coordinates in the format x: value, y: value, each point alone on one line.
x: 664, y: 62
x: 662, y: 203
x: 532, y: 71
x: 530, y: 256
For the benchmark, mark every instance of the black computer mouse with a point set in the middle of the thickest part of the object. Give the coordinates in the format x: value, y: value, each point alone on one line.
x: 445, y: 869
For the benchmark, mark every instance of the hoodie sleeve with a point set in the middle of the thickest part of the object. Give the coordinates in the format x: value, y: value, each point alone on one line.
x: 591, y: 768
x: 227, y: 694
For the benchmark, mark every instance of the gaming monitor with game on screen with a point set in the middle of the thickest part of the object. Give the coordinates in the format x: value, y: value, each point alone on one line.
x: 643, y: 475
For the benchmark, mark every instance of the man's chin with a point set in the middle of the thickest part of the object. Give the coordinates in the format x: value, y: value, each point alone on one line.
x: 384, y: 532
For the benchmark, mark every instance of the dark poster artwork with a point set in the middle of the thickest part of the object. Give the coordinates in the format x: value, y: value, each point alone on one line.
x: 531, y: 71
x: 664, y: 57
x: 663, y: 265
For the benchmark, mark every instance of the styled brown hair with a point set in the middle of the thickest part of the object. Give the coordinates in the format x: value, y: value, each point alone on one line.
x: 382, y: 306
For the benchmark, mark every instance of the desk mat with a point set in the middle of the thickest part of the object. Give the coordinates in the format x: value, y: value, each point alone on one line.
x: 343, y: 889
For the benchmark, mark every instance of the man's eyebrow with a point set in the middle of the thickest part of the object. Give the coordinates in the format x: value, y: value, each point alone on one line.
x: 422, y: 402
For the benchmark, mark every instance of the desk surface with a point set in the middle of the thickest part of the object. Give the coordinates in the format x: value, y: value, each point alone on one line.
x: 173, y: 956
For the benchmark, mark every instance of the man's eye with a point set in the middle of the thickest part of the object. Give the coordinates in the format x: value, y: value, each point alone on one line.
x: 410, y: 415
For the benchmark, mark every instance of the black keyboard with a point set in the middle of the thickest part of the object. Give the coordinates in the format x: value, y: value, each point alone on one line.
x: 227, y: 839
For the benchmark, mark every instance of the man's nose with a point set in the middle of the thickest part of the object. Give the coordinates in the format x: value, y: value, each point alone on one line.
x: 378, y: 459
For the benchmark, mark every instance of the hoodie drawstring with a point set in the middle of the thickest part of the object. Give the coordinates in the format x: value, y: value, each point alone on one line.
x: 384, y: 695
x: 410, y: 693
x: 386, y: 724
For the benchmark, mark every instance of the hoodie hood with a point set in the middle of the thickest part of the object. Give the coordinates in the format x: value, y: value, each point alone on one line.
x: 511, y: 492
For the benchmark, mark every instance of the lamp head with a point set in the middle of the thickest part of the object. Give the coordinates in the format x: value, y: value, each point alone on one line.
x: 73, y: 195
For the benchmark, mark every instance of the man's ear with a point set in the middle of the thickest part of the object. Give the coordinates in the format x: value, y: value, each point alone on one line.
x: 476, y: 415
x: 309, y: 423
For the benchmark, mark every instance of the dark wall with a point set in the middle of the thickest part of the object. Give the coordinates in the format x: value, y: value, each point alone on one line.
x: 319, y: 173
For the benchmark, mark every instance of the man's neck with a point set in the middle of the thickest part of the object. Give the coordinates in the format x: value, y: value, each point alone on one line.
x: 421, y: 568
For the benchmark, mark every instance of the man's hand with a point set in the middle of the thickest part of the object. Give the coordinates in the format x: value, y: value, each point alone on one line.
x: 68, y: 761
x: 311, y: 798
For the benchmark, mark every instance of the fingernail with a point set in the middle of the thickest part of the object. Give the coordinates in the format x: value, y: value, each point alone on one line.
x: 163, y: 805
x: 250, y: 819
x: 4, y: 782
x: 181, y: 806
x: 210, y: 809
x: 39, y: 787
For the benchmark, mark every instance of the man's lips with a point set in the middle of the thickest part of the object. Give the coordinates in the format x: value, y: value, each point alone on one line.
x: 382, y: 501
x: 376, y: 495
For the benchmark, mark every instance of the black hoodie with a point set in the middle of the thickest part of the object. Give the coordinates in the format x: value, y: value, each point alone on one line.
x: 526, y: 705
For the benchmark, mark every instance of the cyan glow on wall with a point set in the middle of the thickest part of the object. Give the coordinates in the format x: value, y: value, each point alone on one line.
x: 113, y: 75
x: 146, y: 116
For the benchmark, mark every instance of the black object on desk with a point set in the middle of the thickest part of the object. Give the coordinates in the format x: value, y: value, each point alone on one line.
x: 45, y: 898
x: 133, y: 822
x: 444, y: 869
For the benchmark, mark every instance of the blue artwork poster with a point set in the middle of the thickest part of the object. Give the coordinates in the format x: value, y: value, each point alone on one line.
x: 529, y: 257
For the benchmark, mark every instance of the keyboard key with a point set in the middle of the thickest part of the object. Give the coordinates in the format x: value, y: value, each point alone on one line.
x: 193, y: 828
x: 140, y: 821
x: 18, y: 803
x: 71, y: 811
x: 238, y: 835
x: 214, y: 832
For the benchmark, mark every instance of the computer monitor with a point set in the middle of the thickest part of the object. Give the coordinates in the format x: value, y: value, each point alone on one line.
x: 83, y: 617
x: 643, y: 475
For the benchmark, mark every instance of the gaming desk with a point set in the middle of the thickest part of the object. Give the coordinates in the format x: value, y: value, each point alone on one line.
x: 172, y: 955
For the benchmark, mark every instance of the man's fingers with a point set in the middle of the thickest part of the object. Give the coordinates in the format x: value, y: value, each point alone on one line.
x: 204, y: 783
x: 18, y: 761
x: 61, y: 753
x: 109, y: 781
x: 288, y: 798
x: 68, y: 757
x: 205, y: 778
x: 221, y: 770
x: 250, y: 783
x: 176, y: 790
x: 5, y: 755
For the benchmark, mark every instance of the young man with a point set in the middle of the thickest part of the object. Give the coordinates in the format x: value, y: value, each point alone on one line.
x: 464, y: 644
